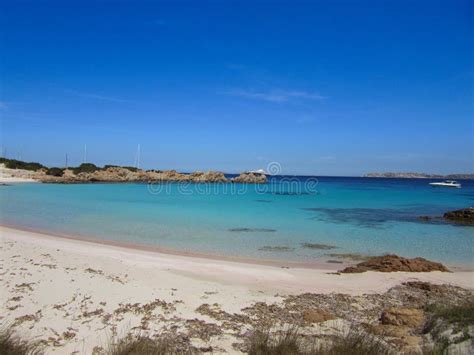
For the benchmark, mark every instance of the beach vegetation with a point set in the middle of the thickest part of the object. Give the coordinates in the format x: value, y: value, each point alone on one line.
x: 291, y: 341
x: 85, y: 168
x: 142, y: 345
x: 263, y: 342
x: 460, y: 316
x: 12, y: 344
x: 449, y: 324
x: 55, y: 171
x: 18, y: 164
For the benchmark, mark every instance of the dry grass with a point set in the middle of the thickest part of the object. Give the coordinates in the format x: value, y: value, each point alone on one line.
x: 355, y: 342
x: 290, y: 341
x: 262, y: 342
x: 12, y: 344
x: 457, y: 320
x: 142, y: 345
x: 459, y: 316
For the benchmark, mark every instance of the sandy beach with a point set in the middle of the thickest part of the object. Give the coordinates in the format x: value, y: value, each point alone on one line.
x: 15, y: 176
x: 75, y: 295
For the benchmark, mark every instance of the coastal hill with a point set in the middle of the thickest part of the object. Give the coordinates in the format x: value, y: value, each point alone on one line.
x: 90, y: 173
x: 420, y: 176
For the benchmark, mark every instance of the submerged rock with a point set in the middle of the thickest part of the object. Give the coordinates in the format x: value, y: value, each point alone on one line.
x: 318, y: 246
x: 465, y: 216
x: 392, y: 263
x: 250, y: 178
x: 276, y: 248
x: 249, y: 230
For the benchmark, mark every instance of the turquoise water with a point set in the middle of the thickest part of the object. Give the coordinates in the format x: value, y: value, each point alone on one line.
x: 356, y: 215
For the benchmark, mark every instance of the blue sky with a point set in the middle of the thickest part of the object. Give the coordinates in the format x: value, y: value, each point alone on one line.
x: 322, y: 87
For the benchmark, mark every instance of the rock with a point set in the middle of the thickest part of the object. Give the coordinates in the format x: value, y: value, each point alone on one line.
x: 121, y: 174
x: 391, y: 263
x: 401, y: 316
x: 425, y: 218
x: 465, y: 216
x: 317, y: 316
x: 395, y: 331
x: 210, y: 176
x: 409, y: 344
x: 250, y: 178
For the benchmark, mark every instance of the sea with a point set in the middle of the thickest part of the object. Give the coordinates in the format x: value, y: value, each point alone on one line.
x: 292, y: 218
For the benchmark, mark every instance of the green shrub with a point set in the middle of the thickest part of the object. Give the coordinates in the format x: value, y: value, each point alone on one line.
x: 85, y: 168
x: 18, y: 164
x: 55, y: 172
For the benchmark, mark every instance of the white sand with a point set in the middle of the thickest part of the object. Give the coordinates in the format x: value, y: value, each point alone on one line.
x: 14, y: 176
x: 61, y: 280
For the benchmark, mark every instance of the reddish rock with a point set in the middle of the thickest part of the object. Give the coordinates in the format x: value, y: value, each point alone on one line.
x: 401, y: 316
x: 391, y: 263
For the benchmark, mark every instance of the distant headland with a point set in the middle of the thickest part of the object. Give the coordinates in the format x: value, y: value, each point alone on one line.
x: 420, y: 176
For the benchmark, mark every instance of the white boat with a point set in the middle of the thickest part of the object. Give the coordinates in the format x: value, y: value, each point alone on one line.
x: 446, y: 183
x: 259, y: 171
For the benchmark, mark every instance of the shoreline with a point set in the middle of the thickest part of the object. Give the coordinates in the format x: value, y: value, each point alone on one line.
x: 320, y: 264
x: 190, y: 263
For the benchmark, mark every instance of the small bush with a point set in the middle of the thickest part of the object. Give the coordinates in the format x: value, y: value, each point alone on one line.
x: 11, y: 344
x: 85, y: 168
x: 55, y: 172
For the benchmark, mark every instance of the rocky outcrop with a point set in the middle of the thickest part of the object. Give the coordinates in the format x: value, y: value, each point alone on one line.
x: 210, y: 176
x: 392, y: 263
x: 119, y: 174
x: 465, y: 216
x: 250, y: 178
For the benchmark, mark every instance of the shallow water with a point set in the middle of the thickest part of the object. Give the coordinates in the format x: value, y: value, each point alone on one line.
x: 272, y: 221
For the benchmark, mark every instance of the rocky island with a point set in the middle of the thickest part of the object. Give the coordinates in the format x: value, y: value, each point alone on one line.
x: 90, y: 173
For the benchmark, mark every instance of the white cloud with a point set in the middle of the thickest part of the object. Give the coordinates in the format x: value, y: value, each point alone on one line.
x: 97, y: 97
x: 277, y: 96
